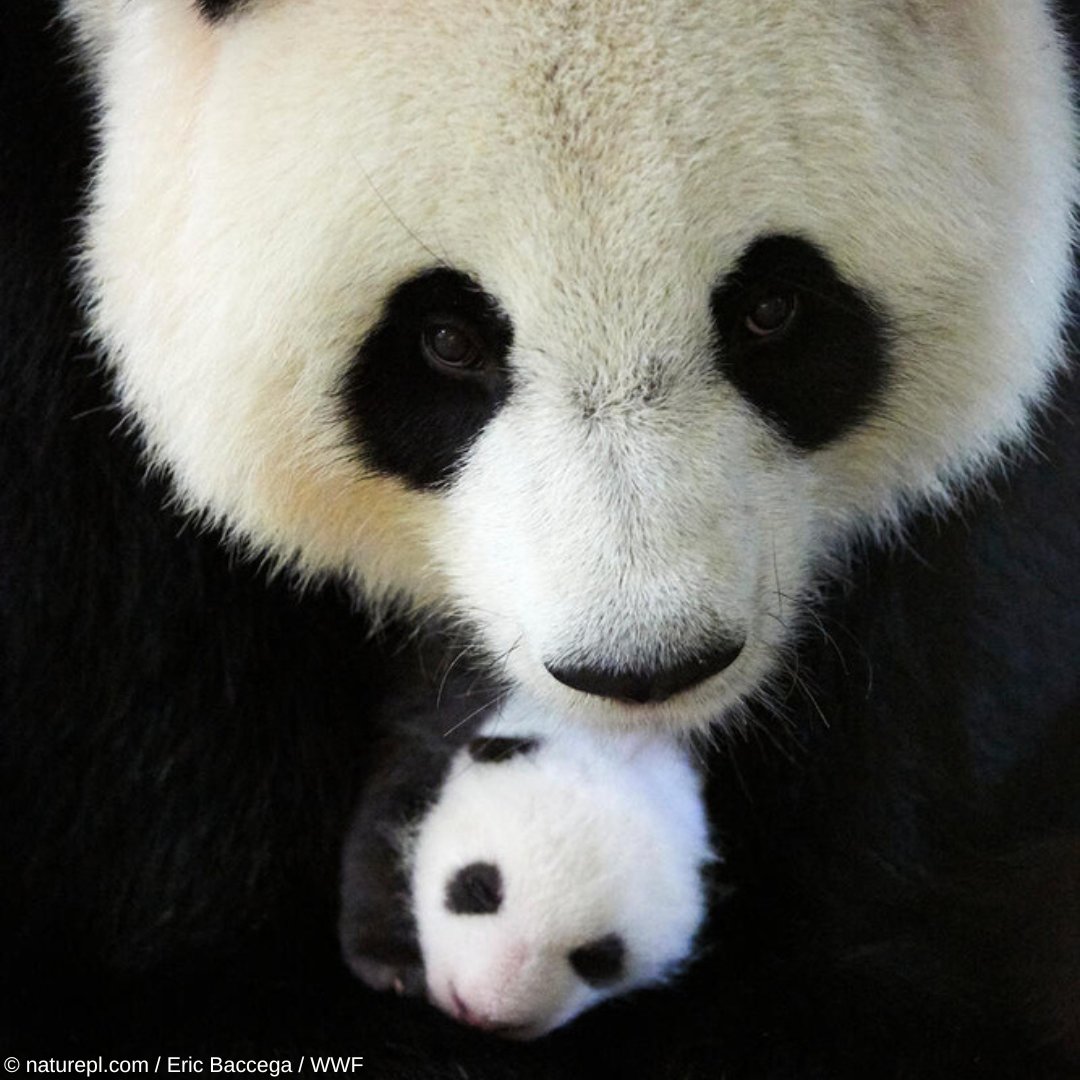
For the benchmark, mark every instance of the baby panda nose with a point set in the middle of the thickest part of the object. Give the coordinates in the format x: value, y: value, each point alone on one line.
x: 466, y: 1014
x: 649, y: 685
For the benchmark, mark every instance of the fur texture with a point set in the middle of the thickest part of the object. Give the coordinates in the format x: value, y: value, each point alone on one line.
x: 266, y: 181
x: 181, y: 738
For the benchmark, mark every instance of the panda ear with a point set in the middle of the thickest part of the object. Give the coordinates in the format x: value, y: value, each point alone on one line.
x: 495, y: 749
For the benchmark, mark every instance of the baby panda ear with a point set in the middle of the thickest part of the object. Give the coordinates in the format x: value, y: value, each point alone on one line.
x: 495, y: 749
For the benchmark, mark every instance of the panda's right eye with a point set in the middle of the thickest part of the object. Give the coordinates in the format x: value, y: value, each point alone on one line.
x: 771, y: 314
x: 427, y: 378
x: 452, y: 347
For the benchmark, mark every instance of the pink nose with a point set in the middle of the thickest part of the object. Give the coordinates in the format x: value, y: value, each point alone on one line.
x: 464, y: 1014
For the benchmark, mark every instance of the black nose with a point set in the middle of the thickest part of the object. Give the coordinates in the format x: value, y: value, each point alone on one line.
x: 647, y: 685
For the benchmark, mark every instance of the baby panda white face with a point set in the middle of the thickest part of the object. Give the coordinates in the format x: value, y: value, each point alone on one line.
x: 597, y: 324
x: 557, y: 869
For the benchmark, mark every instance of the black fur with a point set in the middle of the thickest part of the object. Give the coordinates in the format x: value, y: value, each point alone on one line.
x: 410, y: 419
x: 403, y: 773
x: 601, y: 962
x: 476, y: 889
x: 495, y: 749
x: 182, y: 742
x: 821, y: 374
x: 215, y: 10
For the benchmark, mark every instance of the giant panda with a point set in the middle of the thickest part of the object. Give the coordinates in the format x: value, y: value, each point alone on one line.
x: 690, y: 366
x: 552, y: 868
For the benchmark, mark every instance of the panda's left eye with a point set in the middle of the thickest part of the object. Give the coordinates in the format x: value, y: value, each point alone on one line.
x: 451, y: 346
x: 803, y: 345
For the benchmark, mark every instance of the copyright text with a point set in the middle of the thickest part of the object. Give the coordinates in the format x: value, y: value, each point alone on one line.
x: 184, y: 1065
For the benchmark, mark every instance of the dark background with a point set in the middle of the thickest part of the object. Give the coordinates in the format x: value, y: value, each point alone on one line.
x: 181, y: 741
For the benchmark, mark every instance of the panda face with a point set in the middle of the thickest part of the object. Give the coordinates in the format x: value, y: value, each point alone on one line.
x: 598, y: 326
x: 553, y: 872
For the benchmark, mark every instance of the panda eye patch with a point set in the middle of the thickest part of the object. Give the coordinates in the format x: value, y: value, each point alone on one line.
x: 428, y: 378
x: 495, y: 749
x: 475, y: 889
x: 600, y: 962
x: 804, y: 346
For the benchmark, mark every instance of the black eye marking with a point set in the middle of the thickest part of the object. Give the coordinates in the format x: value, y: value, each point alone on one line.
x: 497, y: 749
x: 428, y: 377
x: 475, y: 889
x: 214, y: 10
x: 802, y: 345
x: 600, y: 962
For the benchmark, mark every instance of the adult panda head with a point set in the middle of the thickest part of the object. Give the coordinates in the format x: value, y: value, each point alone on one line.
x: 600, y: 326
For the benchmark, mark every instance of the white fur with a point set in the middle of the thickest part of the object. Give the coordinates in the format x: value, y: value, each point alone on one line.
x: 265, y: 182
x: 593, y: 835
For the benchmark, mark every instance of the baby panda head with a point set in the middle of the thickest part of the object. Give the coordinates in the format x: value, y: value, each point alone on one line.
x: 554, y: 871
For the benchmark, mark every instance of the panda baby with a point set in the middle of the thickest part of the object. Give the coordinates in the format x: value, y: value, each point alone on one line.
x: 555, y: 867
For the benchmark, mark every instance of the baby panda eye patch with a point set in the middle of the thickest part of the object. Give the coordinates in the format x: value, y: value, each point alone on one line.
x: 804, y: 346
x: 428, y: 378
x: 495, y: 749
x: 475, y: 889
x: 599, y: 963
